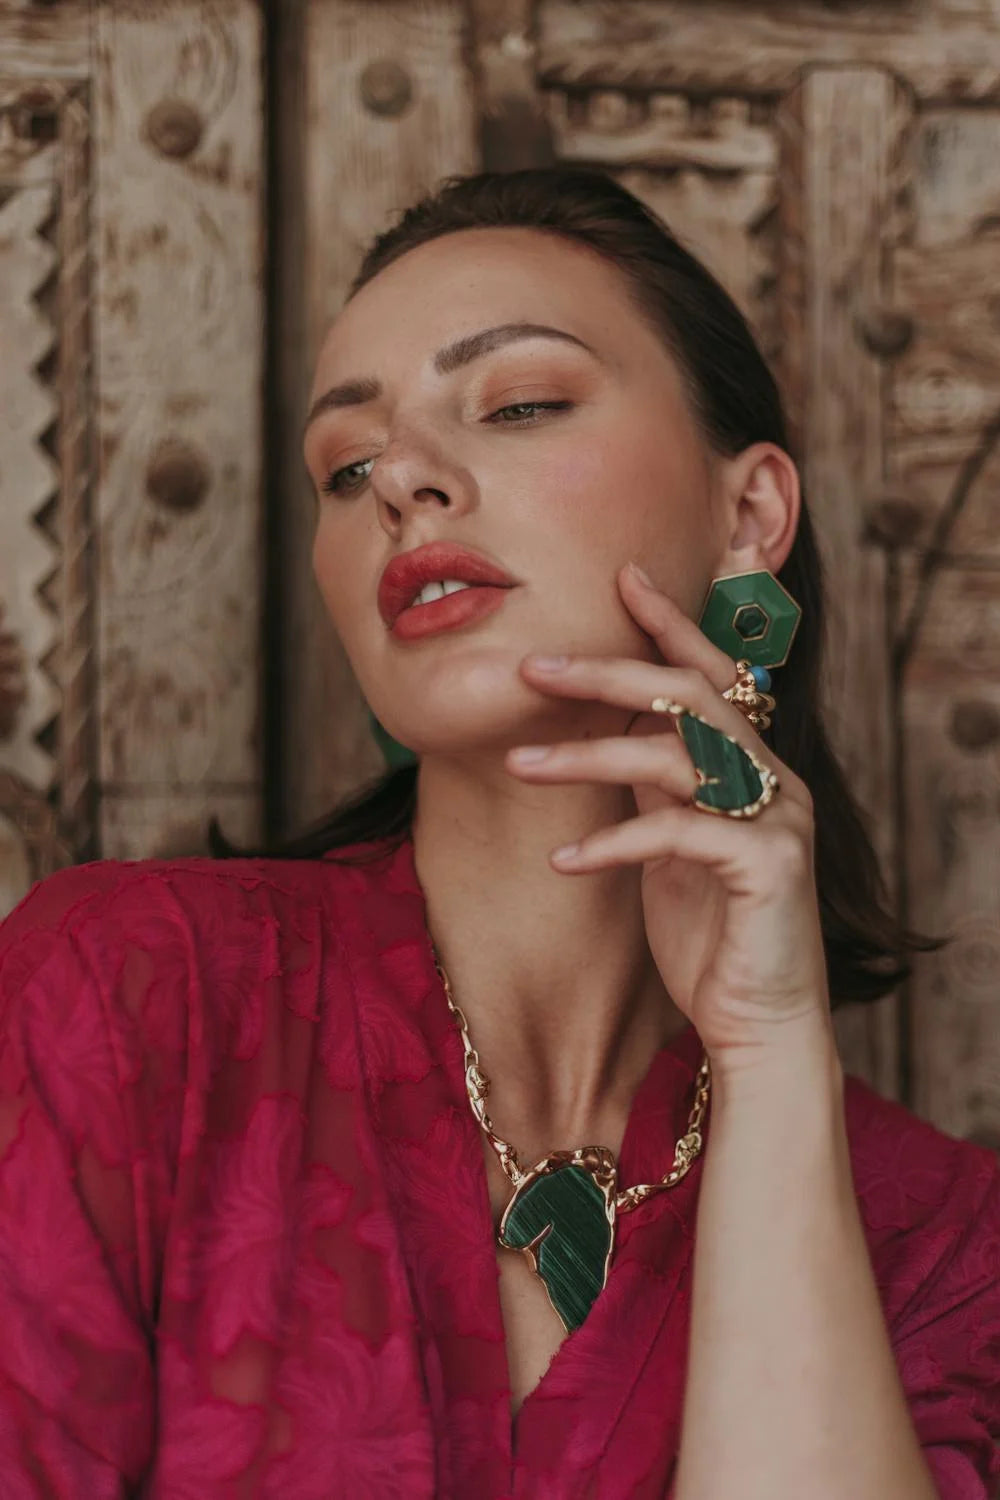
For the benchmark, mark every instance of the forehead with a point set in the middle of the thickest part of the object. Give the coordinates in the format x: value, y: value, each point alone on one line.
x: 464, y: 280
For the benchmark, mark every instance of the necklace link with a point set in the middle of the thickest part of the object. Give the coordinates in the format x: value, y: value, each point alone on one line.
x: 477, y: 1085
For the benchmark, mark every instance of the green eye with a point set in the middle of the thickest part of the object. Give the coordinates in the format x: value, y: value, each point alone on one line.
x: 333, y: 485
x: 528, y: 406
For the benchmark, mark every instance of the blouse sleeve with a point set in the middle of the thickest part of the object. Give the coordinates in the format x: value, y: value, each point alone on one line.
x: 82, y: 1192
x: 947, y: 1344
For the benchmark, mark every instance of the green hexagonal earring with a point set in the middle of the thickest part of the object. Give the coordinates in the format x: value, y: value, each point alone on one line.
x: 751, y: 616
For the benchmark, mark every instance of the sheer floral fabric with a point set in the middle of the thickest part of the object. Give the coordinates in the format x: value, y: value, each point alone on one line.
x: 245, y: 1238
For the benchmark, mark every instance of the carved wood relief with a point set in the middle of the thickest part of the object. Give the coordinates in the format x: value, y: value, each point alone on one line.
x: 46, y: 650
x: 130, y: 433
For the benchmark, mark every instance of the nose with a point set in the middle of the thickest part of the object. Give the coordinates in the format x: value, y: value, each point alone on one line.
x: 410, y: 479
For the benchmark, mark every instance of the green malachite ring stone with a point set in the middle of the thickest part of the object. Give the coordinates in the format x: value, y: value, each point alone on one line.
x: 564, y: 1219
x: 732, y: 780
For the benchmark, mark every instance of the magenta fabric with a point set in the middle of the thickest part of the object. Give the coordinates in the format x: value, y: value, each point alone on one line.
x: 245, y: 1239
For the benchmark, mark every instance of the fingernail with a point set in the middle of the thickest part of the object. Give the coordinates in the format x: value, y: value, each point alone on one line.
x: 548, y: 663
x: 642, y: 575
x: 566, y: 852
x: 528, y: 753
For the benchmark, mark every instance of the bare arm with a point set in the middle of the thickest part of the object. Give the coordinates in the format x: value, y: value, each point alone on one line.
x: 792, y: 1386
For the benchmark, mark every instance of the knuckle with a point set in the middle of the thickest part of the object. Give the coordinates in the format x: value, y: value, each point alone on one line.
x: 789, y: 852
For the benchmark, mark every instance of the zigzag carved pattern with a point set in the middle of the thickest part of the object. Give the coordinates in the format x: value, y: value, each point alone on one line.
x: 76, y: 667
x: 46, y: 577
x: 29, y: 479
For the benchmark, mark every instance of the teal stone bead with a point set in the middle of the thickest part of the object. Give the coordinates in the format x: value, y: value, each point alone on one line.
x: 733, y: 779
x: 762, y: 678
x: 569, y: 1208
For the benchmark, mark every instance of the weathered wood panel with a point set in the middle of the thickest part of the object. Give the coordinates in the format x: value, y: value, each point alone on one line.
x: 707, y: 167
x: 180, y: 260
x: 500, y: 45
x: 663, y: 130
x: 730, y: 47
x: 945, y: 413
x: 46, y: 697
x: 47, y: 39
x: 28, y: 477
x: 844, y: 133
x: 388, y: 111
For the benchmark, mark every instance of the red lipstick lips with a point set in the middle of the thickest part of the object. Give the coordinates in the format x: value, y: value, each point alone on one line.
x: 405, y: 576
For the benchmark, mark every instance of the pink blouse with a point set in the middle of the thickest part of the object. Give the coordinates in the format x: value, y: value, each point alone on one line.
x: 245, y: 1236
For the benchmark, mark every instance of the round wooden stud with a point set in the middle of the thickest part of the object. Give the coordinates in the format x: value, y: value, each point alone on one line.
x: 893, y: 521
x: 174, y: 128
x: 385, y: 87
x: 975, y: 724
x: 178, y: 478
x: 885, y: 331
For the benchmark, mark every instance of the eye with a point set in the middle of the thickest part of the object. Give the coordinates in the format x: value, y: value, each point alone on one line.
x: 334, y: 483
x: 526, y: 405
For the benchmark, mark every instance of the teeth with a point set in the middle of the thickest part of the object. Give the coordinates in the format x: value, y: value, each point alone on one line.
x: 432, y: 591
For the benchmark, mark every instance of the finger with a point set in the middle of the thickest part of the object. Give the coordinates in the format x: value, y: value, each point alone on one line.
x: 677, y: 637
x: 657, y: 760
x: 631, y: 684
x: 626, y: 682
x: 751, y: 860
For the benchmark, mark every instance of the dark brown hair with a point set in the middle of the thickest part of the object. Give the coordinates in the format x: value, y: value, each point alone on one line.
x: 736, y: 402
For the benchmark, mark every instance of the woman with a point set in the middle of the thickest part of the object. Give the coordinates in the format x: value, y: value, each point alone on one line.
x: 250, y: 1194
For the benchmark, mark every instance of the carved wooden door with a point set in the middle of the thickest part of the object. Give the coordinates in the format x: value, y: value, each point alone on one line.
x: 131, y: 252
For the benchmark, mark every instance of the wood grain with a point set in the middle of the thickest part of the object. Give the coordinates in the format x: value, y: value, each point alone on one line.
x: 945, y: 419
x: 50, y: 40
x: 661, y: 131
x: 843, y: 135
x: 180, y: 155
x: 514, y: 130
x: 729, y: 47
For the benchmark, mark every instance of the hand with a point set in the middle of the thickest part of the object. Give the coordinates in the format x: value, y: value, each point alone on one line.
x: 730, y: 905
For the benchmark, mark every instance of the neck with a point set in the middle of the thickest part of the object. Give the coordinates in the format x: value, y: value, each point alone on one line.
x: 553, y: 972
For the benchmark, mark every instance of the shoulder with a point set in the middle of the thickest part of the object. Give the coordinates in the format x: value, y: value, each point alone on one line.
x: 141, y: 900
x: 930, y: 1202
x: 181, y: 927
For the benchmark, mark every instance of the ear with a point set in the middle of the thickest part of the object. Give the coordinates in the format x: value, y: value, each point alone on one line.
x: 761, y: 502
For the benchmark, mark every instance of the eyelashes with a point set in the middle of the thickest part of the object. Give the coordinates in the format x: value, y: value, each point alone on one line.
x: 334, y: 483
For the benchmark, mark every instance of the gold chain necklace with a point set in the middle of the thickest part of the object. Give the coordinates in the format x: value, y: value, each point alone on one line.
x: 563, y: 1211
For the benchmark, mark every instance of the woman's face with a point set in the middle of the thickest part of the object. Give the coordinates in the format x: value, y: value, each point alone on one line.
x: 559, y: 498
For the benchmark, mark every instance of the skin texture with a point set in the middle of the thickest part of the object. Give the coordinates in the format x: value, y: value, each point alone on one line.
x: 572, y: 972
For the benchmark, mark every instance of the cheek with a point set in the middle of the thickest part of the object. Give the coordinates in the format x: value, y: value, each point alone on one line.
x: 336, y: 580
x: 635, y: 486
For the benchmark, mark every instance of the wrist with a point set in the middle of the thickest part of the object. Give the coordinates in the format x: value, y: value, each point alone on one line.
x: 803, y: 1049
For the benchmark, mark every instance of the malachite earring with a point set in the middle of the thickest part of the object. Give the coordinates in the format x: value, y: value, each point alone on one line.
x: 753, y: 618
x: 395, y: 755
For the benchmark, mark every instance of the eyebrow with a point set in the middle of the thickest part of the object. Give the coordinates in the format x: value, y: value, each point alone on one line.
x: 366, y: 388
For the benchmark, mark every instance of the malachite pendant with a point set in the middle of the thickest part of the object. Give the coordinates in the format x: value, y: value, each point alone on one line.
x: 562, y: 1215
